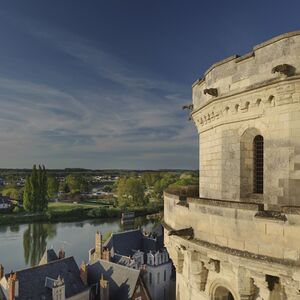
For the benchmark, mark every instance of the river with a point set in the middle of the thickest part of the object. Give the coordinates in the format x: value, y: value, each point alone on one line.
x: 22, y: 245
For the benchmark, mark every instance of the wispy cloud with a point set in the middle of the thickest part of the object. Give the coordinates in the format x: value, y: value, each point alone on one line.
x: 130, y: 119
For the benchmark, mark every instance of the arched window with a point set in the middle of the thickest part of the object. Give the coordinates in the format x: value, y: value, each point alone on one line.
x: 258, y: 157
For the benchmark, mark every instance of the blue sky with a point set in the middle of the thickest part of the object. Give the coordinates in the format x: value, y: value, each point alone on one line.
x: 100, y: 84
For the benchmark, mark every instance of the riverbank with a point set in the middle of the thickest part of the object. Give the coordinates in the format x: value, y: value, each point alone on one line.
x: 63, y: 212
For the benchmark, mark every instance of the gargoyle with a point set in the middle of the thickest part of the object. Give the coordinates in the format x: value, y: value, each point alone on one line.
x: 188, y: 106
x: 186, y: 232
x: 211, y: 91
x: 284, y: 69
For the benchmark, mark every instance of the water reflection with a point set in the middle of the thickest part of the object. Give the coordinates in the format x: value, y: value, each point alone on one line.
x: 22, y: 245
x: 35, y: 241
x: 15, y: 228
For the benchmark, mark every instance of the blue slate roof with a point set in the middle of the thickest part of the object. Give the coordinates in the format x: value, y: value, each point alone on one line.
x: 32, y: 280
x: 122, y: 280
x: 124, y: 243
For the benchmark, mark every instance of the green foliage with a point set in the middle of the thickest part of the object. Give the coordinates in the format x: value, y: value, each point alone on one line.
x: 77, y: 183
x: 52, y: 187
x: 16, y: 210
x: 150, y: 178
x: 162, y: 184
x: 107, y: 188
x: 65, y: 188
x: 12, y: 192
x: 131, y: 192
x: 35, y: 192
x: 107, y: 235
x: 189, y: 178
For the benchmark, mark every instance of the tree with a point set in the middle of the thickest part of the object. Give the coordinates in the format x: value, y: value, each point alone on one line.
x: 35, y: 191
x: 77, y: 184
x: 27, y: 198
x: 149, y: 178
x: 131, y: 192
x: 162, y: 184
x: 52, y: 187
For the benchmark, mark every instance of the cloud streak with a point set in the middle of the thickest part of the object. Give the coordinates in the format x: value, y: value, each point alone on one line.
x: 130, y: 119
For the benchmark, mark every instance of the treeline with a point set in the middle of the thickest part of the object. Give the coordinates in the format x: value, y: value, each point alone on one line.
x: 141, y: 190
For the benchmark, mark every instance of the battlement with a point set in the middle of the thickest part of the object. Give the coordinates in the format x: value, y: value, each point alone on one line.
x: 268, y: 62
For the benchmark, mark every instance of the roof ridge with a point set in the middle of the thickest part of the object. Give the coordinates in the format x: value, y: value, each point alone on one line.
x: 40, y: 266
x: 118, y: 265
x: 126, y: 231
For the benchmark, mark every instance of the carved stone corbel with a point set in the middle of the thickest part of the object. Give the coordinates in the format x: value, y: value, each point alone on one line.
x: 199, y: 272
x: 185, y: 232
x: 213, y: 265
x: 284, y: 69
x: 211, y: 91
x: 246, y: 286
x: 178, y: 260
x: 262, y: 285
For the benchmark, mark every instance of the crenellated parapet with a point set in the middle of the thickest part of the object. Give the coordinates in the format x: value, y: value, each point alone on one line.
x: 268, y: 63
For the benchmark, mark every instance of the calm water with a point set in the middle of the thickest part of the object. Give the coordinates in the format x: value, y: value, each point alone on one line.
x: 23, y: 245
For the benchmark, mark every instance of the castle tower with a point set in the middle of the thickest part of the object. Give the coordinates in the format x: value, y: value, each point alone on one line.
x: 242, y: 232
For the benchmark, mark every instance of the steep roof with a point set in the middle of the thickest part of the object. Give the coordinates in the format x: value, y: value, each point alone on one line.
x: 122, y: 280
x: 48, y: 256
x: 124, y: 242
x: 32, y: 280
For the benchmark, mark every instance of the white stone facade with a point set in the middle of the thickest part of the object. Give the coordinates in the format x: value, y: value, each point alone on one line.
x: 244, y: 244
x: 158, y: 275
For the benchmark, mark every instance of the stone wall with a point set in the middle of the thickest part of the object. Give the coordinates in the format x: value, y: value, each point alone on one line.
x: 235, y: 246
x: 251, y: 100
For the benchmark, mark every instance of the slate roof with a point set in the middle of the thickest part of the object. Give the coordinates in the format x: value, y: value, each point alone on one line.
x: 124, y: 242
x: 121, y: 260
x: 122, y: 280
x: 32, y: 280
x: 48, y: 256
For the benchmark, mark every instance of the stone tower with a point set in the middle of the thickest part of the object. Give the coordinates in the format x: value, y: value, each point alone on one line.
x: 240, y: 238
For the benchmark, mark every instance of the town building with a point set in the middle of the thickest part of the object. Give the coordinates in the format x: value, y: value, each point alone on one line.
x: 143, y: 252
x: 5, y: 203
x: 111, y: 281
x: 239, y: 239
x: 55, y: 278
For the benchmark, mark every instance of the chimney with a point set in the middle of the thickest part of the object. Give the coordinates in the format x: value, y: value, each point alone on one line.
x: 13, y: 286
x: 104, y: 288
x: 98, y: 245
x: 106, y: 254
x: 83, y: 272
x: 61, y: 253
x: 1, y: 271
x: 58, y: 289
